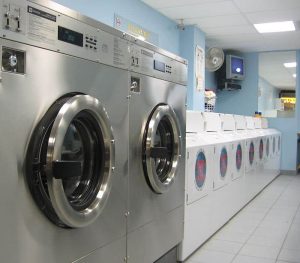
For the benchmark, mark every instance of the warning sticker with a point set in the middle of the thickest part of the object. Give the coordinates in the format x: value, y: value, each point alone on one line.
x: 42, y: 26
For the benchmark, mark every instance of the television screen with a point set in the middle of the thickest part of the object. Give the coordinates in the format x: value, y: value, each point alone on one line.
x: 234, y: 67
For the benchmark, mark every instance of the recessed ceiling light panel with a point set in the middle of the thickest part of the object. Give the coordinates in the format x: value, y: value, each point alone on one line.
x: 290, y: 64
x: 275, y: 27
x: 294, y: 75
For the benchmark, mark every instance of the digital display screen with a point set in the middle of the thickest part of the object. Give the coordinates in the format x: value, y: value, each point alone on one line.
x: 70, y: 36
x: 237, y: 66
x: 160, y: 66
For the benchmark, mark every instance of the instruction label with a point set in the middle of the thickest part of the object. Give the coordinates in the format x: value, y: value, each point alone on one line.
x: 42, y: 26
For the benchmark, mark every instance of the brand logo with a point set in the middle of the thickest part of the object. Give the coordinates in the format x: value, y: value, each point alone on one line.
x: 238, y: 157
x: 200, y: 170
x: 223, y: 162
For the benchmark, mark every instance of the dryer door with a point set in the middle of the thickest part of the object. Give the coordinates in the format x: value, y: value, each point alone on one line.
x: 161, y: 148
x: 70, y: 161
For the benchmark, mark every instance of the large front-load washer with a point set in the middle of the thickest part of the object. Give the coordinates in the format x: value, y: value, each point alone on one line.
x: 156, y: 153
x: 64, y: 122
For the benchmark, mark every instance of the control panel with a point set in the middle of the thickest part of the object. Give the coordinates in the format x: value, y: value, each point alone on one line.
x: 45, y: 26
x: 148, y: 62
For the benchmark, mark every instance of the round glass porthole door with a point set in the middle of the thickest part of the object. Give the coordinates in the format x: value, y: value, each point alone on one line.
x: 238, y: 157
x: 70, y: 161
x: 261, y: 149
x: 161, y: 148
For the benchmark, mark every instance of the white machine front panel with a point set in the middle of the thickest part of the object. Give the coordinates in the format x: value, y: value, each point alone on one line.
x: 212, y: 122
x: 222, y: 170
x: 250, y: 123
x: 238, y: 159
x: 240, y: 122
x: 194, y: 121
x: 228, y: 122
x: 199, y: 172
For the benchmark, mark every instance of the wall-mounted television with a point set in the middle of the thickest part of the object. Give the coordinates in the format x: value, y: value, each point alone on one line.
x: 235, y: 68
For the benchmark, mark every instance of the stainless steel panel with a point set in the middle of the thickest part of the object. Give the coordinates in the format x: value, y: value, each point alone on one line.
x: 149, y: 210
x: 113, y: 252
x: 24, y: 99
x: 151, y: 241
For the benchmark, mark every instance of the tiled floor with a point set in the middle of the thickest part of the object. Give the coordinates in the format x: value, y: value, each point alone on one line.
x: 267, y: 230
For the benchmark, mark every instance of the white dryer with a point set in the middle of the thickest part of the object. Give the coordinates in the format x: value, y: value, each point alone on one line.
x: 222, y: 147
x: 198, y: 185
x: 237, y: 151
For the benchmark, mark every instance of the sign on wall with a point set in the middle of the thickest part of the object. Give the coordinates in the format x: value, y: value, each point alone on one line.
x: 200, y: 64
x: 136, y: 30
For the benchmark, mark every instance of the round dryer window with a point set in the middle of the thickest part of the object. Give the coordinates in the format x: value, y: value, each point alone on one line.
x: 239, y: 157
x: 70, y: 161
x: 274, y: 145
x: 251, y: 153
x: 261, y: 149
x: 200, y: 170
x: 268, y: 147
x: 161, y: 148
x: 223, y: 162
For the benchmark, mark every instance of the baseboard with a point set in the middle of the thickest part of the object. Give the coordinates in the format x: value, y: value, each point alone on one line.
x: 288, y: 172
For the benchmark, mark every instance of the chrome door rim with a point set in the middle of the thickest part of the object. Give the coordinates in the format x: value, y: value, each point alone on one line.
x: 59, y: 200
x: 159, y: 113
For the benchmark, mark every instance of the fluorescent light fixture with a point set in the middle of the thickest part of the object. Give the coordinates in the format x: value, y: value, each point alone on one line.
x: 290, y: 64
x: 275, y: 27
x: 295, y: 75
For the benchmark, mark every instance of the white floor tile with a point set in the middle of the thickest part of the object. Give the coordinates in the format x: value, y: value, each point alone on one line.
x: 265, y: 241
x: 260, y: 251
x: 292, y: 241
x: 232, y: 236
x: 210, y: 256
x: 223, y: 246
x: 247, y: 259
x: 290, y: 255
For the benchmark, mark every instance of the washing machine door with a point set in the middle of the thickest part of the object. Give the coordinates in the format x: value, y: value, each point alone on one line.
x: 161, y: 148
x: 70, y: 161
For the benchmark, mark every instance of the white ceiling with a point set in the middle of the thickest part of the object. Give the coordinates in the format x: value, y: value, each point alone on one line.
x: 271, y: 69
x: 229, y: 23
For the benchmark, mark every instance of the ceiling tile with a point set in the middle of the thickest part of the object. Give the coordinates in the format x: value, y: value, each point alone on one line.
x: 172, y: 3
x: 273, y: 16
x: 230, y: 30
x: 217, y: 21
x: 247, y: 6
x: 201, y: 10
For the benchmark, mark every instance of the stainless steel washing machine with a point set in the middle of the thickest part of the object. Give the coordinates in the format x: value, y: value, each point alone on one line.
x: 156, y: 153
x: 64, y: 121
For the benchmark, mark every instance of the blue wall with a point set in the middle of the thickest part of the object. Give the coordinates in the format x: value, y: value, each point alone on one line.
x: 189, y: 39
x: 210, y: 80
x: 242, y: 101
x: 134, y: 10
